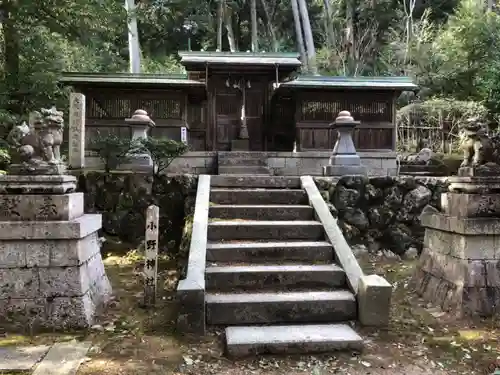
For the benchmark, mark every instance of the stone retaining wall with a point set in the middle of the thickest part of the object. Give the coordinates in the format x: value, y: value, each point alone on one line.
x: 280, y: 163
x: 122, y: 199
x: 382, y: 212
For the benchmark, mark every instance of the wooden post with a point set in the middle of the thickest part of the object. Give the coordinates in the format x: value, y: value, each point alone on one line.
x: 151, y: 255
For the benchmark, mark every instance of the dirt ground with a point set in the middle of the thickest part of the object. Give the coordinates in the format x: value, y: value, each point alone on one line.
x: 132, y: 340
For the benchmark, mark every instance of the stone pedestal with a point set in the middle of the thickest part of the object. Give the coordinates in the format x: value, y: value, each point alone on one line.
x: 51, y: 272
x: 139, y: 125
x: 459, y: 268
x: 344, y: 160
x: 240, y: 145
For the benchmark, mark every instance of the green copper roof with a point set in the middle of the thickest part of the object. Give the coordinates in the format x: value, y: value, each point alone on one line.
x: 240, y: 58
x: 99, y: 79
x: 357, y: 83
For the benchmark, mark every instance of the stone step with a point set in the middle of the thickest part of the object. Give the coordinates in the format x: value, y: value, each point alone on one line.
x: 248, y: 162
x: 244, y: 341
x: 244, y: 169
x: 262, y: 212
x: 258, y: 196
x: 280, y: 307
x: 220, y: 230
x: 290, y: 276
x: 245, y: 181
x: 265, y: 252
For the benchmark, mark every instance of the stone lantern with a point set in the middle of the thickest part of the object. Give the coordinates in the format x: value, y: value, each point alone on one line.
x: 344, y: 159
x: 139, y: 124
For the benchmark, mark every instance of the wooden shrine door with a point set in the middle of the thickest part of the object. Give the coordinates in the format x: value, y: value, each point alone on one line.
x: 227, y: 115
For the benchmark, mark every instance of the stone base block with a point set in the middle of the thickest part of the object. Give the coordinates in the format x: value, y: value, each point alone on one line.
x: 473, y: 226
x: 33, y: 207
x: 488, y: 169
x: 468, y: 287
x: 51, y: 314
x: 462, y: 246
x: 56, y: 284
x: 15, y: 184
x: 471, y: 205
x: 342, y: 170
x: 240, y: 145
x: 51, y: 230
x: 40, y: 169
x: 374, y: 300
x: 474, y: 184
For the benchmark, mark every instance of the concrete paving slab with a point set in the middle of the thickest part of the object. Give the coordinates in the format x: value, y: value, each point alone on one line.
x: 63, y: 358
x: 21, y: 358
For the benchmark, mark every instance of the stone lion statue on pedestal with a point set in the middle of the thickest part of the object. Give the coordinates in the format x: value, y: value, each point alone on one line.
x: 37, y: 147
x: 477, y: 147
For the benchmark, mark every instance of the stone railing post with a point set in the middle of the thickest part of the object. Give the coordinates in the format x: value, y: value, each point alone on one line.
x: 344, y: 159
x: 77, y: 130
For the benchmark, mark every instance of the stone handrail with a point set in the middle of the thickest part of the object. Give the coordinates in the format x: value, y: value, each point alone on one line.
x: 334, y: 234
x: 373, y: 292
x: 191, y: 290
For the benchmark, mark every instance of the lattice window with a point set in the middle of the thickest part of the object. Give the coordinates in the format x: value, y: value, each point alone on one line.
x: 316, y: 110
x: 108, y: 108
x: 162, y: 108
x: 323, y: 110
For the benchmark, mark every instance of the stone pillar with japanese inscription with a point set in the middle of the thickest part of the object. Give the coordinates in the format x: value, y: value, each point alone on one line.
x: 77, y: 131
x: 51, y: 272
x: 151, y: 254
x: 459, y: 268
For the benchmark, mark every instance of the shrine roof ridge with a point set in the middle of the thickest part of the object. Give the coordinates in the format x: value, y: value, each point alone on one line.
x: 397, y: 83
x: 250, y: 58
x: 83, y: 78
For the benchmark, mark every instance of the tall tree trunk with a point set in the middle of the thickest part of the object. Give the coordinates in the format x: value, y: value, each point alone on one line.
x: 299, y: 36
x: 328, y: 23
x: 228, y: 20
x: 11, y: 51
x: 220, y: 23
x: 133, y: 38
x: 253, y: 14
x: 349, y: 37
x: 311, y: 52
x: 270, y: 27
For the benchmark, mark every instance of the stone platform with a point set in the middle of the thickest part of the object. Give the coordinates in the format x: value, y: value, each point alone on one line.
x: 459, y: 268
x: 51, y: 272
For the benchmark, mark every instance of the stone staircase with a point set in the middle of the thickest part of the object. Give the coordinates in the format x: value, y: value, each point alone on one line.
x: 243, y: 162
x: 270, y: 273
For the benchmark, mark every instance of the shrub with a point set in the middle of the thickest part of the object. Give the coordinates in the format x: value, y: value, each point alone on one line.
x: 163, y: 151
x: 112, y: 149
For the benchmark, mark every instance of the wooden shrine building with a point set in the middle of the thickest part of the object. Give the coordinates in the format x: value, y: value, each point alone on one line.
x: 244, y: 101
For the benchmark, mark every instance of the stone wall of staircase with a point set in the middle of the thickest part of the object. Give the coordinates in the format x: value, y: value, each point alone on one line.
x: 383, y: 213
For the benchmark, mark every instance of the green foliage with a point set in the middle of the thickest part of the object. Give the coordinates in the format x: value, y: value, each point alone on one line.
x: 167, y: 65
x: 163, y: 151
x: 434, y: 112
x: 466, y: 47
x: 112, y: 149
